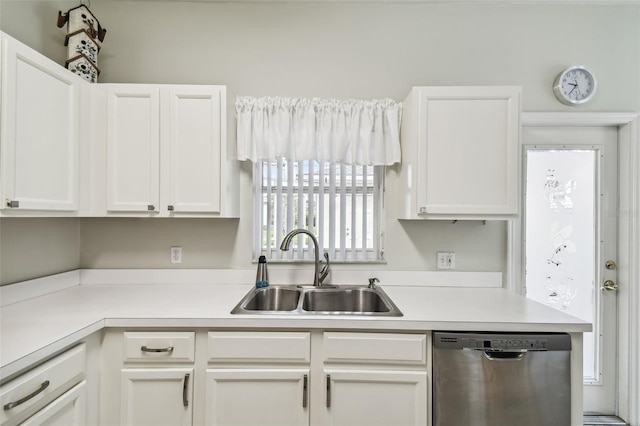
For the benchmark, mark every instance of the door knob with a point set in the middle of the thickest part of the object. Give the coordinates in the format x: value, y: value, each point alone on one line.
x: 609, y: 285
x: 610, y: 265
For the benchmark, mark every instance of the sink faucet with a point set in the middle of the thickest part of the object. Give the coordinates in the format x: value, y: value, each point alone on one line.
x: 317, y: 276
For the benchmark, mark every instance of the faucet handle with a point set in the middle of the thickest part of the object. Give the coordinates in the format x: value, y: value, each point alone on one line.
x: 325, y: 269
x: 372, y: 282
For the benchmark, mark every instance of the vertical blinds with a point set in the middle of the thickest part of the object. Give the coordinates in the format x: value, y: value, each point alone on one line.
x: 338, y: 203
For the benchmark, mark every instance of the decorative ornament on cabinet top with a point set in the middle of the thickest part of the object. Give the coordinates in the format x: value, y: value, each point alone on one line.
x: 83, y: 41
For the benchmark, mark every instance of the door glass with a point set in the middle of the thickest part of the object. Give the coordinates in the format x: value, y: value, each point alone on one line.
x: 561, y: 237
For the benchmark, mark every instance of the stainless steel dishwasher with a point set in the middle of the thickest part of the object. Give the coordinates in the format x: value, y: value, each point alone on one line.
x: 486, y: 379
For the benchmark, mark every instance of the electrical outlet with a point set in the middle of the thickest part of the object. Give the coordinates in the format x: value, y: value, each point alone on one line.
x: 446, y: 260
x: 176, y: 254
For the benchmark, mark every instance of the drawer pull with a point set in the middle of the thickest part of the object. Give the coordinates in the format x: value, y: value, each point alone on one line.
x: 156, y: 350
x: 185, y: 391
x: 305, y: 383
x: 14, y: 404
x: 328, y: 391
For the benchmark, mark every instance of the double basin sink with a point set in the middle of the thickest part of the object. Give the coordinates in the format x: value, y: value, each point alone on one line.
x: 324, y: 300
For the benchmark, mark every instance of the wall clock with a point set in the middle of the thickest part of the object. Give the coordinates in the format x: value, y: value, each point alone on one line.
x: 574, y: 86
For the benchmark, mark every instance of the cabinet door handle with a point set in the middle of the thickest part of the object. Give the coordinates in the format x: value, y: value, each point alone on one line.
x: 151, y: 207
x: 13, y: 204
x: 305, y: 383
x: 22, y: 400
x: 156, y: 350
x: 185, y: 391
x: 328, y: 391
x: 170, y: 207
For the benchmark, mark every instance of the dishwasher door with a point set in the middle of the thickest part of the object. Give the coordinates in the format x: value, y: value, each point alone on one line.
x: 484, y: 379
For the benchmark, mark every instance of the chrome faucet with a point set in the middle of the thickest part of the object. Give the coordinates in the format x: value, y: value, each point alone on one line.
x: 318, y: 276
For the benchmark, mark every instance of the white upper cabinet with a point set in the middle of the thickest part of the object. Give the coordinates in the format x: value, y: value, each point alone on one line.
x: 460, y: 153
x: 43, y: 110
x: 194, y: 130
x: 165, y: 151
x: 133, y: 148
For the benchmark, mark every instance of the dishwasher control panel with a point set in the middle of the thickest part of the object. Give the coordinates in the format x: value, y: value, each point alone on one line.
x: 505, y: 344
x: 502, y: 342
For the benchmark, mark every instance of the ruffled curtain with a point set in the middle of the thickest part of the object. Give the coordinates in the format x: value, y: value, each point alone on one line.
x: 340, y: 131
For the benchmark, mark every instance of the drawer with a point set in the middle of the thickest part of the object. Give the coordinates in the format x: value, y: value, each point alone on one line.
x: 380, y: 348
x: 159, y: 346
x: 259, y: 347
x: 31, y: 391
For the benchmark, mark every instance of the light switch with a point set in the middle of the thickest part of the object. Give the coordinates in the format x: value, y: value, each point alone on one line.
x: 446, y: 260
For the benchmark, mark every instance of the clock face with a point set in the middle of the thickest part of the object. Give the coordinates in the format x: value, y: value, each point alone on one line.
x: 574, y: 86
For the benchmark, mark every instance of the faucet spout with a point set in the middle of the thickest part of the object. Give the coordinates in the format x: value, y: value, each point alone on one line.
x: 286, y: 242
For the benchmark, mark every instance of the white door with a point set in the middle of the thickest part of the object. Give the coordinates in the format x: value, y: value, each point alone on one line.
x: 260, y: 397
x: 156, y: 397
x: 39, y: 131
x: 191, y: 141
x: 133, y: 148
x: 370, y: 398
x: 69, y: 409
x: 571, y: 238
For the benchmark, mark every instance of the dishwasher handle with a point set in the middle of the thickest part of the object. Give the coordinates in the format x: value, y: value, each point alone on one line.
x: 504, y: 355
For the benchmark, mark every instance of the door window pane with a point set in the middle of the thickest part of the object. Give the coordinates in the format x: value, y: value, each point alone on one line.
x: 561, y: 237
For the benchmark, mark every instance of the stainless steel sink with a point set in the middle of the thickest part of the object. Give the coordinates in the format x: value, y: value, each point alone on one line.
x: 344, y: 300
x: 273, y: 299
x: 324, y: 300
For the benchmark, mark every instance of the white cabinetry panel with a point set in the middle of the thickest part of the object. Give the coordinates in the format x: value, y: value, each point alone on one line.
x: 35, y: 389
x: 40, y: 131
x: 265, y: 397
x: 133, y: 148
x: 461, y: 152
x: 166, y: 151
x: 194, y: 148
x: 156, y: 396
x: 68, y: 410
x: 375, y: 398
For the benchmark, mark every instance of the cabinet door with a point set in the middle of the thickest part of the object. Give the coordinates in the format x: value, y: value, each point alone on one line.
x: 192, y: 136
x: 133, y: 148
x: 39, y: 131
x: 369, y: 398
x: 67, y: 410
x: 156, y: 396
x: 468, y: 150
x: 265, y: 397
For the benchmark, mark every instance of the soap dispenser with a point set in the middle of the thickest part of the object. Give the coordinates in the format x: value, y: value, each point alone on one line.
x: 262, y: 276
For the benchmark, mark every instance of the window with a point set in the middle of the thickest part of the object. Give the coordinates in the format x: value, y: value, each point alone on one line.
x: 340, y: 204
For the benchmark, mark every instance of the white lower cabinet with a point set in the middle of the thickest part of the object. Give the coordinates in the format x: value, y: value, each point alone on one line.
x: 156, y: 396
x: 258, y: 378
x: 375, y: 397
x: 375, y: 379
x: 67, y: 410
x: 54, y: 393
x: 265, y: 378
x: 147, y: 378
x: 257, y: 396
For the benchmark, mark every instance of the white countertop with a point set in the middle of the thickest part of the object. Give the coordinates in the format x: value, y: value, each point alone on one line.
x: 40, y: 326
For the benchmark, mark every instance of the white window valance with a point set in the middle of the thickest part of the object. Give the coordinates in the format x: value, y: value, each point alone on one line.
x: 340, y: 131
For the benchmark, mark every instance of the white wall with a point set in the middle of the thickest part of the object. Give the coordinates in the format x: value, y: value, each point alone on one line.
x: 35, y: 247
x: 345, y: 50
